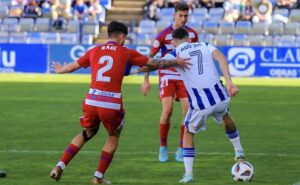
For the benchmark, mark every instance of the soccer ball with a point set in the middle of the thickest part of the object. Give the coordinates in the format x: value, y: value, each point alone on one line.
x: 242, y: 171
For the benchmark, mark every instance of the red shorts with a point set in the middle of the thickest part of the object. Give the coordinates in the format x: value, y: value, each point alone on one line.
x: 111, y: 119
x: 173, y: 88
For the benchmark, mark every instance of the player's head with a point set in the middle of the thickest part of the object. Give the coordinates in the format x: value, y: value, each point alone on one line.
x: 181, y: 14
x: 180, y: 35
x: 117, y: 31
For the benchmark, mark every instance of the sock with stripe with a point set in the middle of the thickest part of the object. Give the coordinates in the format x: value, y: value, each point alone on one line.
x: 235, y: 140
x: 104, y: 162
x: 68, y: 155
x: 181, y: 136
x: 188, y: 158
x: 164, y: 130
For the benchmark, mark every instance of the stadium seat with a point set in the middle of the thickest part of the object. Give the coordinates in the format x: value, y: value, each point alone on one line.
x: 167, y: 12
x: 222, y: 40
x: 209, y: 38
x: 295, y: 15
x: 42, y: 25
x: 166, y: 19
x: 282, y: 11
x: 161, y: 25
x: 298, y: 41
x: 73, y: 26
x: 285, y: 41
x: 18, y: 37
x: 3, y: 11
x: 276, y: 28
x: 198, y: 14
x: 243, y: 27
x: 259, y: 28
x: 240, y: 40
x: 4, y: 37
x: 51, y: 38
x: 87, y: 39
x: 10, y: 24
x: 143, y: 39
x: 131, y: 38
x: 146, y: 27
x: 216, y: 14
x: 292, y: 28
x: 68, y: 38
x: 226, y: 27
x: 90, y: 27
x: 210, y: 27
x: 268, y: 40
x: 26, y: 24
x: 197, y: 26
x: 256, y: 40
x: 34, y: 38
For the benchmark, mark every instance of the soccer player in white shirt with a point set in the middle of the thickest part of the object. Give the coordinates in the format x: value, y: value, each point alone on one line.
x: 207, y: 96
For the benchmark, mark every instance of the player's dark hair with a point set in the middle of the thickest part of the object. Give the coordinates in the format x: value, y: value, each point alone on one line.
x: 181, y: 6
x: 180, y: 33
x: 115, y: 28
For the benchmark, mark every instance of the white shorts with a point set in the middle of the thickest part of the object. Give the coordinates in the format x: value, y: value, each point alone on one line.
x: 195, y: 118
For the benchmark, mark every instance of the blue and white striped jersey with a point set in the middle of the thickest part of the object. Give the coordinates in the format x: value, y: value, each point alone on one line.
x: 202, y: 80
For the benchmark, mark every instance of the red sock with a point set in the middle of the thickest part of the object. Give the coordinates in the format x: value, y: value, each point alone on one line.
x: 104, y: 161
x: 164, y: 130
x: 69, y: 153
x: 181, y: 136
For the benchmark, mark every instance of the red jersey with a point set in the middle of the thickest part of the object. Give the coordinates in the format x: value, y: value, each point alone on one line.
x: 163, y: 42
x: 108, y: 64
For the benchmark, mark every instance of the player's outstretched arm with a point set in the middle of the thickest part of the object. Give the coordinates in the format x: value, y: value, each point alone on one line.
x: 66, y: 68
x: 154, y: 64
x: 219, y: 57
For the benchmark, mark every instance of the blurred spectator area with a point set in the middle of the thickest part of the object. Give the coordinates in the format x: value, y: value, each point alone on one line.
x: 209, y: 18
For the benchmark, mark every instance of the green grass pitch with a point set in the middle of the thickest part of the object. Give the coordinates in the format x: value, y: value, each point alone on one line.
x: 39, y: 114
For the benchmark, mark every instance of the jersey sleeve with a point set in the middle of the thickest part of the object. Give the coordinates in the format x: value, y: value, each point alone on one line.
x: 157, y: 44
x: 210, y: 47
x: 137, y: 59
x: 171, y: 55
x: 84, y: 61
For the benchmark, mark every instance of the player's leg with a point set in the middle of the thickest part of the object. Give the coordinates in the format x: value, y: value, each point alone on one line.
x: 184, y: 108
x: 90, y: 123
x: 167, y: 108
x: 233, y: 135
x: 113, y: 121
x: 76, y: 144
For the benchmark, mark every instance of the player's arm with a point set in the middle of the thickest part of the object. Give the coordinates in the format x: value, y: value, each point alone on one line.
x: 221, y: 59
x: 66, y: 68
x: 162, y: 63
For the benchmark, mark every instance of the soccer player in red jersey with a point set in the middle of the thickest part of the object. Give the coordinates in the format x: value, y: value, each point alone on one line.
x: 170, y: 83
x: 103, y: 102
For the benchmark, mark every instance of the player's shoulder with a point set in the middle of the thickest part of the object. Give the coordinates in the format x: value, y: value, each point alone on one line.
x: 189, y: 29
x: 165, y: 32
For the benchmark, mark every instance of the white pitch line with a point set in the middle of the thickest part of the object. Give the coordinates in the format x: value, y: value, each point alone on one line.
x: 145, y: 153
x: 297, y: 183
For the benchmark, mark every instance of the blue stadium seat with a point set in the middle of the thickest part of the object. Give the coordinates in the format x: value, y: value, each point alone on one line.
x: 210, y: 27
x: 90, y: 27
x: 73, y: 26
x: 216, y: 14
x: 68, y: 38
x: 26, y: 24
x: 226, y: 27
x: 3, y: 11
x: 18, y: 37
x: 222, y: 40
x: 276, y: 28
x: 243, y: 27
x: 239, y: 39
x: 147, y: 27
x: 51, y: 38
x: 42, y: 25
x: 4, y: 37
x: 295, y: 15
x: 34, y: 38
x: 162, y: 24
x: 10, y: 24
x: 259, y: 28
x: 167, y: 12
x: 87, y: 39
x: 292, y: 28
x: 256, y: 40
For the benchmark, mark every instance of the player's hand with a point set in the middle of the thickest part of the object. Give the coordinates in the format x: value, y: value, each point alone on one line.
x: 232, y: 89
x: 56, y: 67
x: 145, y: 87
x: 183, y: 63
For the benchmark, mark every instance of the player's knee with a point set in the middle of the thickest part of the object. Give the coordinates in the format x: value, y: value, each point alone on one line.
x: 167, y: 113
x: 89, y: 133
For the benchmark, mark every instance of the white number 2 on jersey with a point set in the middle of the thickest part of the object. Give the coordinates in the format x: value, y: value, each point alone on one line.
x: 109, y: 63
